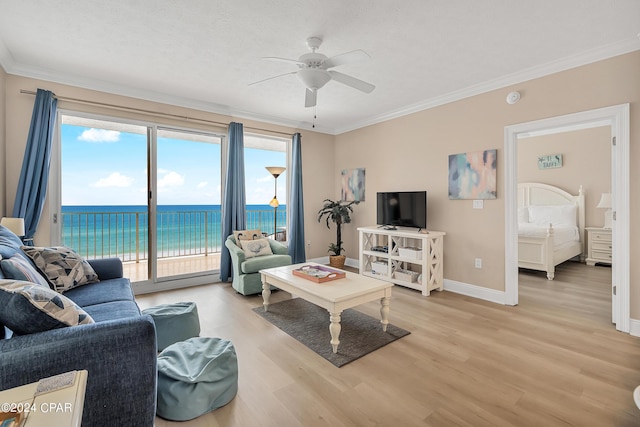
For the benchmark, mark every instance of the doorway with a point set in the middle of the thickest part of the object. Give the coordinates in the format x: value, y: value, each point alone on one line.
x: 617, y: 117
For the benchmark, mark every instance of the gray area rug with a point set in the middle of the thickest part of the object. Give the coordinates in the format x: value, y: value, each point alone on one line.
x: 309, y: 324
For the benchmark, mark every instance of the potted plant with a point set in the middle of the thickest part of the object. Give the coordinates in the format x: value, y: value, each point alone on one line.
x: 339, y: 213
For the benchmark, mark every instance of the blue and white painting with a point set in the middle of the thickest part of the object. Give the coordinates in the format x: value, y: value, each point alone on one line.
x: 353, y: 185
x: 473, y: 175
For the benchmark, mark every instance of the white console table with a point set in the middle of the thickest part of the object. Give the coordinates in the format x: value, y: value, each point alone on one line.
x: 408, y: 251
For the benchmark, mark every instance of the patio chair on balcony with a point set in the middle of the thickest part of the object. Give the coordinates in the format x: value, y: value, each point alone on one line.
x: 246, y: 276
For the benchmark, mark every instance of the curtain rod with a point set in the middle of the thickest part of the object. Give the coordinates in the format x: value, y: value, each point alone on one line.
x: 150, y: 112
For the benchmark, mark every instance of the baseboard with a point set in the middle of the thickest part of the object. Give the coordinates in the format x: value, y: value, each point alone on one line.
x: 350, y: 262
x: 634, y: 327
x: 474, y: 291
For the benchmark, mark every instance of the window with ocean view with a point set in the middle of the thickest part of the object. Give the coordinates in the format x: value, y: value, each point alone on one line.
x: 150, y: 195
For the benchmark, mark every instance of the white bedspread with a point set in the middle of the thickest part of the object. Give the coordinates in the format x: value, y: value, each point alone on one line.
x: 561, y: 235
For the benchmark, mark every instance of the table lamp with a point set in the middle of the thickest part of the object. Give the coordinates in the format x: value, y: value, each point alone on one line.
x: 605, y: 203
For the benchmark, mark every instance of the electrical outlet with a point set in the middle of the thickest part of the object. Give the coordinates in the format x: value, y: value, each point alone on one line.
x: 478, y: 204
x: 308, y: 242
x: 478, y: 262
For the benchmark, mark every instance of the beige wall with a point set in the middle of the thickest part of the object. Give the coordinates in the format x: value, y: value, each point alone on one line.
x: 317, y: 148
x: 411, y: 152
x: 586, y: 158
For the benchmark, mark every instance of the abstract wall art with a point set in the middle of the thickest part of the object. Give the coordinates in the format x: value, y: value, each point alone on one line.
x: 473, y: 175
x: 353, y: 185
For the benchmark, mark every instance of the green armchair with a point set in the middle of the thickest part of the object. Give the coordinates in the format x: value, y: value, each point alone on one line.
x: 246, y: 272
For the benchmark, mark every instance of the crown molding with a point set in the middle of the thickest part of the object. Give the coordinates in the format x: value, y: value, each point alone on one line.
x: 604, y: 52
x: 588, y: 57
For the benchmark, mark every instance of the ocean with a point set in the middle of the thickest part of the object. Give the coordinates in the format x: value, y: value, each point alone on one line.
x: 182, y: 230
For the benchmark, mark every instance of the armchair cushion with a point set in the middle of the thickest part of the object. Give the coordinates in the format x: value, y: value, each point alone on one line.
x: 256, y: 247
x: 62, y: 266
x: 254, y: 265
x: 246, y: 235
x: 29, y: 308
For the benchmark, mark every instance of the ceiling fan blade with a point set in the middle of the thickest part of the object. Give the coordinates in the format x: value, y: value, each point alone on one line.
x: 345, y: 58
x: 310, y: 98
x: 271, y: 78
x: 275, y: 58
x: 352, y: 82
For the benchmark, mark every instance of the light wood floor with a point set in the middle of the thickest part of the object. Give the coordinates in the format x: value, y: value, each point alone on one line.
x: 554, y: 360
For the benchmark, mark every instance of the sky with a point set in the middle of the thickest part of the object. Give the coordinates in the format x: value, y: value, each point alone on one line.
x: 108, y: 167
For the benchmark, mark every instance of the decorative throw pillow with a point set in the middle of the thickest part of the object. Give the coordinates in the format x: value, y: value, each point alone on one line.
x: 29, y: 308
x: 18, y: 268
x: 247, y: 235
x: 62, y: 266
x: 257, y: 247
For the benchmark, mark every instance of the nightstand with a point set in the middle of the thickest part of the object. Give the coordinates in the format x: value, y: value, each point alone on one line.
x: 598, y: 245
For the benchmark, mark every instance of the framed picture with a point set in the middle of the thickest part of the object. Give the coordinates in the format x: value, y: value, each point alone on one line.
x: 352, y: 185
x: 473, y: 175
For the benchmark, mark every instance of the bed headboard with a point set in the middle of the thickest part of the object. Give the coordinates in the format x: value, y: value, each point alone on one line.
x: 535, y: 193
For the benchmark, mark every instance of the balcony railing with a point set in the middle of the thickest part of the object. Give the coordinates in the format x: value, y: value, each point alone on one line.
x: 179, y: 233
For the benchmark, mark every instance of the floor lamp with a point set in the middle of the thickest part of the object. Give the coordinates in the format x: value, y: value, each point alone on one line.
x: 276, y: 171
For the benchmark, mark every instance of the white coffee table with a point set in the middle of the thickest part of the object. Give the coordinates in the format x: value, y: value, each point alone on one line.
x: 334, y: 296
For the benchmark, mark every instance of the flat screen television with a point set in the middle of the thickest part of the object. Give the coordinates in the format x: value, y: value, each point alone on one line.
x: 402, y: 209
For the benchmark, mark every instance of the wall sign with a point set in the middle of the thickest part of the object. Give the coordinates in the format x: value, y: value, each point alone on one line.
x: 551, y: 161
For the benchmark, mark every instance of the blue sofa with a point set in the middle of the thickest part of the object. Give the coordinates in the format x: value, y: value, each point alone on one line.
x: 118, y: 350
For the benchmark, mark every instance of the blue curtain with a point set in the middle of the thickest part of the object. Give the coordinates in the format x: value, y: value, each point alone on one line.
x: 32, y: 186
x: 234, y: 205
x: 296, y: 211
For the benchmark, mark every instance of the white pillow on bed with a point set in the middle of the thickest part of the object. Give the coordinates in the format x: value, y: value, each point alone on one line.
x: 558, y: 215
x: 523, y: 214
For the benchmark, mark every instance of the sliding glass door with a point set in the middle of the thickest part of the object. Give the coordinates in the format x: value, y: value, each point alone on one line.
x: 187, y: 205
x: 103, y: 208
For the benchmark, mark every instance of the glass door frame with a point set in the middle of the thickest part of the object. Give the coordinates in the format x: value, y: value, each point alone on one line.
x: 153, y: 283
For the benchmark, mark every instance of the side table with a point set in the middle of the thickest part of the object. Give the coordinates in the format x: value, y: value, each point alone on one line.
x: 54, y: 401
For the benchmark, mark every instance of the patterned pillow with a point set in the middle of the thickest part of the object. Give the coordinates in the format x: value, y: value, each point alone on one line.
x: 18, y: 268
x: 28, y: 308
x: 241, y: 235
x: 257, y: 247
x: 62, y: 266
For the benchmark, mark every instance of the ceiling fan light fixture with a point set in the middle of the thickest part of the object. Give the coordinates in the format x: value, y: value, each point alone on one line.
x: 313, y: 78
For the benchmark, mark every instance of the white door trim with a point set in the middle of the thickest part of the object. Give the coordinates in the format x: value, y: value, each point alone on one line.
x: 618, y: 118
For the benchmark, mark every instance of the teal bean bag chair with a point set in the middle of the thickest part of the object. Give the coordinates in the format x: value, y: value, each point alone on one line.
x: 174, y: 322
x: 196, y: 376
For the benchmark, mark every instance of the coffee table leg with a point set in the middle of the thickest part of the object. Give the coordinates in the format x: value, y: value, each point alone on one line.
x: 334, y: 329
x: 384, y: 312
x: 266, y: 294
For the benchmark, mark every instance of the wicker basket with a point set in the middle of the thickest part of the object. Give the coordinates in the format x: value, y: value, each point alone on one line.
x: 337, y: 261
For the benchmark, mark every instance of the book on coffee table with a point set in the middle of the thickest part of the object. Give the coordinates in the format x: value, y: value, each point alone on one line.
x: 319, y: 274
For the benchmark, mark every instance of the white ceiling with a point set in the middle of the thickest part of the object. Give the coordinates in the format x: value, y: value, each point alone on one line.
x: 204, y: 53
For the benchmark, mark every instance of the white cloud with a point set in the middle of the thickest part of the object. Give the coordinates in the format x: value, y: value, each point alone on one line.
x: 116, y: 179
x: 99, y: 135
x: 171, y: 179
x: 265, y: 178
x: 203, y: 184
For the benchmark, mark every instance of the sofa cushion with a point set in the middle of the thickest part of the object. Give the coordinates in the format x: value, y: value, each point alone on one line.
x: 19, y: 268
x: 101, y: 292
x: 112, y: 310
x: 9, y: 243
x: 256, y: 247
x: 28, y: 308
x: 253, y: 265
x: 62, y: 266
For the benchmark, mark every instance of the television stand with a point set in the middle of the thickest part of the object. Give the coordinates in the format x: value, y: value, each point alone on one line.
x: 414, y: 259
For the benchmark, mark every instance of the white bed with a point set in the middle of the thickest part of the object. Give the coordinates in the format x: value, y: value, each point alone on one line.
x: 550, y: 226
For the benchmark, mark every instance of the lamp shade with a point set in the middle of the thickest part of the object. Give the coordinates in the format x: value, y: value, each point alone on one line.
x: 274, y: 203
x: 276, y: 171
x: 16, y: 225
x: 605, y: 201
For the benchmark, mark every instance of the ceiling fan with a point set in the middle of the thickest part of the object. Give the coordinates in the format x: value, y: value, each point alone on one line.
x: 314, y: 70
